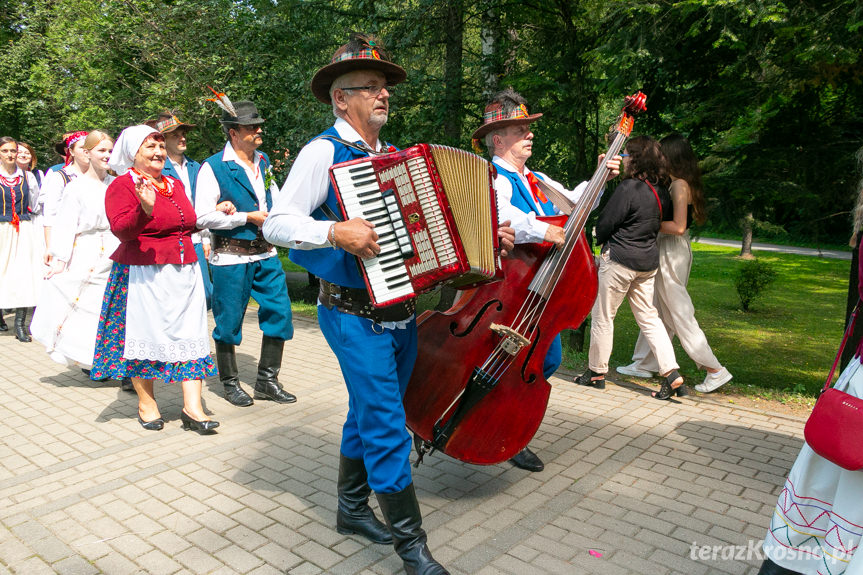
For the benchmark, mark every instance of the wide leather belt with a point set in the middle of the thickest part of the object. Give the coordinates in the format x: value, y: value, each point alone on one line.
x: 357, y: 302
x: 236, y: 246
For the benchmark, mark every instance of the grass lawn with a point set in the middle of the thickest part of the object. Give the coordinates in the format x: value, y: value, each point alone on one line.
x: 785, y: 343
x: 783, y: 347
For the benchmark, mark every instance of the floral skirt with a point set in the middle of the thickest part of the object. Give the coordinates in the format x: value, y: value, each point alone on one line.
x: 108, y: 360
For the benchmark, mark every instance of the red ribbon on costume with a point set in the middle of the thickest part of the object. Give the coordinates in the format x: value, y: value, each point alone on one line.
x: 15, y: 219
x: 70, y: 141
x: 534, y: 188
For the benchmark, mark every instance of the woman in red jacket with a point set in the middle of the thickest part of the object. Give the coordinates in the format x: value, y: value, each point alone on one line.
x: 153, y: 323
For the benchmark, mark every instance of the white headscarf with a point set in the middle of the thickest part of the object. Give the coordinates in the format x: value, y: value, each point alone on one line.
x: 126, y: 146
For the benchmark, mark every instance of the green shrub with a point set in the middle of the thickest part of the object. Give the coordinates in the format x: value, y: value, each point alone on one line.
x: 752, y: 278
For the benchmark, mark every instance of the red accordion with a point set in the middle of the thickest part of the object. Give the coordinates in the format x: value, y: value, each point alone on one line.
x: 435, y: 212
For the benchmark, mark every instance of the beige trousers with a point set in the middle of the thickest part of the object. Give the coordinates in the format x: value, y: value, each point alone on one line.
x: 616, y: 282
x: 675, y: 306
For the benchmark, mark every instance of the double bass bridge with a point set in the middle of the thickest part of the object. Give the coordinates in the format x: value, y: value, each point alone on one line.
x: 512, y: 341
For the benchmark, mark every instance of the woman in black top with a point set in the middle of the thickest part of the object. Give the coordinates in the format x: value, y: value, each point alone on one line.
x: 627, y: 230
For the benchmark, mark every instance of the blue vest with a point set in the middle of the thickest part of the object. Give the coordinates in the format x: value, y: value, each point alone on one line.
x: 234, y: 186
x: 521, y: 196
x: 335, y: 266
x: 22, y: 201
x: 192, y: 168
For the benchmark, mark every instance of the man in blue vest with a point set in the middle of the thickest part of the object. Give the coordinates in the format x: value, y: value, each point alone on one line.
x: 507, y: 135
x: 376, y: 348
x: 185, y: 169
x: 243, y: 264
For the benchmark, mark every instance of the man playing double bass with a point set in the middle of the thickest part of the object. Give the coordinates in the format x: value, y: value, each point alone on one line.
x: 508, y: 137
x: 376, y: 348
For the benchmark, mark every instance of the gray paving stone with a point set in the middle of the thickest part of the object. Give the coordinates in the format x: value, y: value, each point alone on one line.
x: 639, y: 480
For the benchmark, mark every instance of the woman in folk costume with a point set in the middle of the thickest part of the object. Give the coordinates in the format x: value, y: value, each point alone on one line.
x: 675, y: 261
x: 817, y: 525
x: 76, y: 163
x: 81, y: 243
x: 153, y: 323
x: 20, y: 251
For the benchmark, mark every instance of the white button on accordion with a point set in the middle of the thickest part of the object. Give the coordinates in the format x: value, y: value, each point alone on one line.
x: 435, y: 213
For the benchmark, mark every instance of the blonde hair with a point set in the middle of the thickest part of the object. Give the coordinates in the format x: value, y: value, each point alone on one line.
x: 93, y: 138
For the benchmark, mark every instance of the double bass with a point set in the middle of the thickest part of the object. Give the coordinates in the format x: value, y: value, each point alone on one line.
x: 477, y: 392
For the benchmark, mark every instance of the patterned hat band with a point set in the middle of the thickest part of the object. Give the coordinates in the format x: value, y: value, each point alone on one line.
x: 363, y: 54
x: 496, y: 114
x: 168, y: 123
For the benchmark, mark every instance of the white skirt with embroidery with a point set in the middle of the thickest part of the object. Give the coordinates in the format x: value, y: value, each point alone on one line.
x: 21, y: 267
x: 67, y: 318
x: 166, y: 314
x: 817, y: 525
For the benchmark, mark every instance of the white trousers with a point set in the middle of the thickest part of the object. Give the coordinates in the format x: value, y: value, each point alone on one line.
x: 675, y: 307
x: 616, y: 282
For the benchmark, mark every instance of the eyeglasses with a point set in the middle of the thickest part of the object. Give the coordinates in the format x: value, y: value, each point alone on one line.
x: 372, y: 90
x: 623, y: 155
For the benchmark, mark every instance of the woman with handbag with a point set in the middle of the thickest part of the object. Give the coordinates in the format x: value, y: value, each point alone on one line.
x: 675, y: 262
x: 817, y: 524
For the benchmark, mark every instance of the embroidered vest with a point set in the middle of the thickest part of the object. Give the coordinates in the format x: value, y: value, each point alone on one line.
x: 21, y: 205
x: 336, y: 266
x: 234, y: 185
x: 522, y: 198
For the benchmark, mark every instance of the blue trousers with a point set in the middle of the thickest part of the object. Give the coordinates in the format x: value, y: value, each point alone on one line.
x: 377, y: 368
x: 553, y: 358
x: 264, y: 281
x: 205, y: 273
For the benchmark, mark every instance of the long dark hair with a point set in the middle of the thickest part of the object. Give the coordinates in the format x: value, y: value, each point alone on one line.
x: 683, y: 164
x: 646, y: 161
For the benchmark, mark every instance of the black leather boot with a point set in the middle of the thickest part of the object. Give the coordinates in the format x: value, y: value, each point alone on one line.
x: 229, y: 375
x: 267, y: 386
x: 402, y: 512
x: 20, y: 330
x: 771, y: 568
x: 3, y: 326
x: 528, y: 460
x: 354, y: 514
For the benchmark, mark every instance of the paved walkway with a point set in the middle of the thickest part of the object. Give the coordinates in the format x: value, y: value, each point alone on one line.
x: 756, y: 246
x: 643, y: 483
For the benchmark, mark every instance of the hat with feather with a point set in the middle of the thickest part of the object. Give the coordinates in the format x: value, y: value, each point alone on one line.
x: 363, y: 52
x: 243, y: 113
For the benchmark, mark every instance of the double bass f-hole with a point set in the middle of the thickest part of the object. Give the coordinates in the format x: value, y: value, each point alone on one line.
x: 476, y: 319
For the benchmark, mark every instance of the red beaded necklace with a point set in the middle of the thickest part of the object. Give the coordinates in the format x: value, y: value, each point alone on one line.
x: 166, y: 188
x: 10, y: 182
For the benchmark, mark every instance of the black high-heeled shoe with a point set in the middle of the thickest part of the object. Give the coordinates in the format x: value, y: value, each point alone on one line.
x: 667, y: 389
x: 202, y: 427
x: 153, y: 425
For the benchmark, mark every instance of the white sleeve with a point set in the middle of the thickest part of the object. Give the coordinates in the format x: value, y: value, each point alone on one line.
x: 290, y: 222
x: 207, y: 194
x: 527, y: 228
x: 52, y: 188
x: 574, y: 194
x: 64, y: 229
x: 35, y: 192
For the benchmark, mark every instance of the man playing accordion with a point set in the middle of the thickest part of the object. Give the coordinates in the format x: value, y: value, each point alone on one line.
x: 376, y: 348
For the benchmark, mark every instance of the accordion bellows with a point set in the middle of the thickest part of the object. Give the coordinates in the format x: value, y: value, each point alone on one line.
x: 435, y: 211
